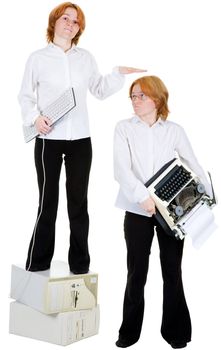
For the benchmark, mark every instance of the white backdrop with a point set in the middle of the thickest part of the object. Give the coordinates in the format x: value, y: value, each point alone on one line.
x: 180, y: 42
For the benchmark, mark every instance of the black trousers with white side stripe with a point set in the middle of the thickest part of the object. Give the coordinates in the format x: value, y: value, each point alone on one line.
x: 49, y: 155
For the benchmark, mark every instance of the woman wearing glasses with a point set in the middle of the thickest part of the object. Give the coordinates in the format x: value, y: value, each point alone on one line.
x: 48, y: 73
x: 142, y: 145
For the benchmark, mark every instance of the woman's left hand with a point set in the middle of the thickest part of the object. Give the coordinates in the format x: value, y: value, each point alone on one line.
x: 149, y: 206
x: 129, y: 70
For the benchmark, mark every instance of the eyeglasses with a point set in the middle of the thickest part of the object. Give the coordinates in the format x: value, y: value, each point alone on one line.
x: 139, y: 96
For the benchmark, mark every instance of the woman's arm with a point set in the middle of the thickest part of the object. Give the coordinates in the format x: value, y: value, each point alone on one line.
x: 186, y: 153
x: 27, y: 95
x: 132, y: 187
x: 103, y: 86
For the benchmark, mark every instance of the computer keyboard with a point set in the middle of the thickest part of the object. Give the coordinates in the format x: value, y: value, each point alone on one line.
x: 55, y: 111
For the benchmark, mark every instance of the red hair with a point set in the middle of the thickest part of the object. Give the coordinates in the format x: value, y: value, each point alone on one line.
x: 154, y: 88
x: 57, y: 12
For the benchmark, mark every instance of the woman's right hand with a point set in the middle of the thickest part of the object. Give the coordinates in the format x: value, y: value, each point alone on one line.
x: 149, y: 206
x: 43, y: 125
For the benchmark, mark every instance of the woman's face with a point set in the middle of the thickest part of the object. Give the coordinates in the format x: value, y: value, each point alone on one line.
x: 67, y: 26
x: 142, y: 104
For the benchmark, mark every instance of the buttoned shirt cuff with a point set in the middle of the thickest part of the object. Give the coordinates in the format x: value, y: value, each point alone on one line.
x: 141, y: 194
x: 30, y: 119
x: 116, y: 70
x: 35, y: 118
x: 144, y: 198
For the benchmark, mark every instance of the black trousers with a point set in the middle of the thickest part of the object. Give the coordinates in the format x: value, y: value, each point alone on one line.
x: 176, y: 323
x: 49, y: 156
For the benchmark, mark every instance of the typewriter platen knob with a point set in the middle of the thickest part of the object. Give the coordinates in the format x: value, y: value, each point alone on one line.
x: 179, y: 210
x: 200, y: 188
x: 176, y: 234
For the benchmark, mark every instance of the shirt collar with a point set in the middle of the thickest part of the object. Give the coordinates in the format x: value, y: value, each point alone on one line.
x: 56, y: 47
x: 136, y: 119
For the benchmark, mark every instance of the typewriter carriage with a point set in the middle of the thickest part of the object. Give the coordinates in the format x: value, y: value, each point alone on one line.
x: 186, y: 199
x: 178, y: 194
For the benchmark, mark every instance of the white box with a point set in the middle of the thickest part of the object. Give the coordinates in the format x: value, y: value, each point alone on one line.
x: 54, y: 290
x: 63, y: 329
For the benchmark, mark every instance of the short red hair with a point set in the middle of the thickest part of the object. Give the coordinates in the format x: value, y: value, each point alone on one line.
x: 154, y: 88
x: 57, y: 12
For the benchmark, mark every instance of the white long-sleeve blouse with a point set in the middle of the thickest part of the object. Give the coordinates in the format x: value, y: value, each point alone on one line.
x: 49, y: 72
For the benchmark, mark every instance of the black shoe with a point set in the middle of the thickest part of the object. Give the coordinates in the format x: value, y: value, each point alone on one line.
x: 36, y: 269
x: 178, y: 345
x: 124, y: 344
x: 79, y: 272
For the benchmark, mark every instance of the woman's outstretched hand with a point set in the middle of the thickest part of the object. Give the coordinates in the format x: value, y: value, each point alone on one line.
x: 130, y: 70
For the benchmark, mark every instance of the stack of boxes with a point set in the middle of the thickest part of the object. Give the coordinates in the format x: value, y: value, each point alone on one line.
x: 54, y: 305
